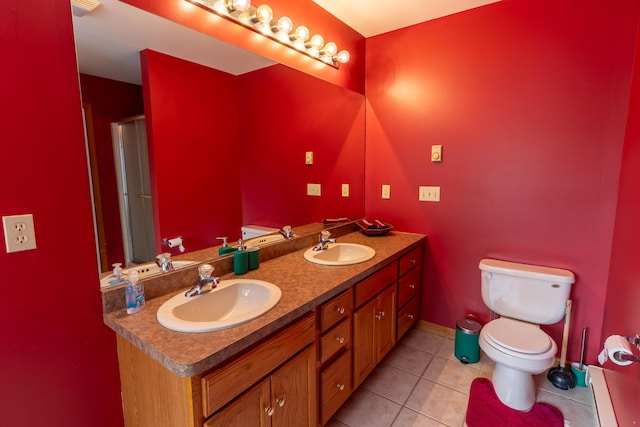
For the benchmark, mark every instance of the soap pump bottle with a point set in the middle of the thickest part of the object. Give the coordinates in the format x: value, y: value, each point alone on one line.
x: 118, y: 275
x: 241, y: 259
x: 225, y: 248
x: 134, y: 294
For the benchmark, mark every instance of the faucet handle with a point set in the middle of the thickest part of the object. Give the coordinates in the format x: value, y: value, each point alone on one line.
x: 324, y: 235
x: 205, y: 271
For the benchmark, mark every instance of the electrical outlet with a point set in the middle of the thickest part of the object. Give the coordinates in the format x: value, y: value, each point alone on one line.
x: 345, y: 190
x: 308, y: 158
x: 386, y: 191
x: 19, y: 234
x: 429, y: 194
x: 313, y: 190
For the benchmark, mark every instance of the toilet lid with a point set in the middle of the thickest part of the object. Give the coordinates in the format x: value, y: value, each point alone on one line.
x: 518, y: 336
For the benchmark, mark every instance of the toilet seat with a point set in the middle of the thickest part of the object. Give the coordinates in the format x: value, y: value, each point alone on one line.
x: 514, y: 336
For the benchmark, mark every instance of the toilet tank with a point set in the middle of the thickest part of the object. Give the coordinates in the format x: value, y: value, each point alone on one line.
x: 251, y: 231
x: 526, y: 292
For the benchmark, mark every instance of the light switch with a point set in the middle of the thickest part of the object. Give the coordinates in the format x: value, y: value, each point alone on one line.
x: 308, y: 158
x: 386, y: 191
x: 313, y: 190
x: 429, y: 194
x: 345, y: 190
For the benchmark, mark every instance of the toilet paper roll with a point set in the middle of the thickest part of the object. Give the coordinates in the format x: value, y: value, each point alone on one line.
x: 176, y: 243
x: 615, y: 345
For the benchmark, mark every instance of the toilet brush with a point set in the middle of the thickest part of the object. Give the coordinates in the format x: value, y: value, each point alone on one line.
x: 560, y: 376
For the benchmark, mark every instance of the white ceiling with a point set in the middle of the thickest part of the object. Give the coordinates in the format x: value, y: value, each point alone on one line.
x: 373, y: 17
x: 109, y: 39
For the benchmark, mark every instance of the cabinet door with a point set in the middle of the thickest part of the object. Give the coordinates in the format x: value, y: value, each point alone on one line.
x: 293, y: 389
x: 385, y: 322
x: 364, y: 351
x: 250, y: 409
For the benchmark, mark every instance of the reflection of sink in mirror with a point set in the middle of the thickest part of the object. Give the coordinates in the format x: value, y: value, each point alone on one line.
x: 145, y: 270
x: 232, y: 302
x: 340, y: 254
x: 263, y: 240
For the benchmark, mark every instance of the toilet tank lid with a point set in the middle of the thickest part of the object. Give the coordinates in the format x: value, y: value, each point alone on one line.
x: 556, y: 275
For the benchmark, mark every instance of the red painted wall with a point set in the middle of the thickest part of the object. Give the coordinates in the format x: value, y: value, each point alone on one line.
x: 621, y: 314
x: 110, y: 101
x: 58, y: 360
x: 302, y: 12
x: 192, y: 131
x: 529, y: 100
x: 287, y: 113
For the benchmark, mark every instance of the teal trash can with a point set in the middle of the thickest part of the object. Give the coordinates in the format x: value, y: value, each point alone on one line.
x: 467, y: 349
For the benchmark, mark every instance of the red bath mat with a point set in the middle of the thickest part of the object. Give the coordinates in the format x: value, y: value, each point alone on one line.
x: 486, y: 410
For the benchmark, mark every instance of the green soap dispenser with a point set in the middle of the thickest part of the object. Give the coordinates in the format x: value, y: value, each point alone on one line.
x: 225, y: 248
x: 241, y: 259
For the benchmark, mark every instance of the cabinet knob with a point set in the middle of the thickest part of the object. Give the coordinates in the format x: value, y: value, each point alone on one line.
x: 340, y: 340
x: 340, y: 387
x: 281, y: 401
x: 269, y: 410
x: 412, y: 286
x: 340, y: 310
x: 413, y: 261
x: 410, y: 316
x: 380, y: 315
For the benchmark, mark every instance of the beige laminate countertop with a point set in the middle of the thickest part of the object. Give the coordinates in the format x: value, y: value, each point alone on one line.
x: 304, y: 286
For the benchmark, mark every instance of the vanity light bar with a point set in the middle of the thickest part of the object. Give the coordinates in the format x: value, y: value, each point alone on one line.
x: 261, y: 20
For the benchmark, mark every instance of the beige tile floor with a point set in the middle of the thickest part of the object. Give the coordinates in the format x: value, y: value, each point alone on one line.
x: 421, y: 384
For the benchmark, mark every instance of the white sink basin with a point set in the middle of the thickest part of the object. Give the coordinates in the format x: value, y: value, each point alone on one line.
x: 232, y: 302
x: 340, y: 254
x: 145, y: 270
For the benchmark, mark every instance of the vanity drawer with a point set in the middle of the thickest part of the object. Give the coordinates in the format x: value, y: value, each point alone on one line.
x: 338, y: 308
x: 408, y: 286
x: 373, y: 285
x: 223, y: 384
x: 335, y: 340
x: 410, y: 260
x: 335, y: 385
x: 407, y: 316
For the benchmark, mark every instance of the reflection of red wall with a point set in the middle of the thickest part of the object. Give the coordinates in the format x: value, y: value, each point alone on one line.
x: 59, y: 363
x: 192, y: 129
x: 286, y: 120
x: 622, y: 316
x: 110, y: 101
x: 529, y: 100
x: 302, y: 12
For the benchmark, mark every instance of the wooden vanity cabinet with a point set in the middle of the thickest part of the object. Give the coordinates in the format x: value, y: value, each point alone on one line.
x: 409, y: 285
x: 374, y: 322
x: 335, y: 353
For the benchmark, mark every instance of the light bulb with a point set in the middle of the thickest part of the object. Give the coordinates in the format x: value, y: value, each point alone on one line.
x: 302, y: 33
x: 316, y: 41
x: 264, y: 13
x: 330, y: 49
x: 239, y: 5
x: 284, y: 25
x: 343, y: 57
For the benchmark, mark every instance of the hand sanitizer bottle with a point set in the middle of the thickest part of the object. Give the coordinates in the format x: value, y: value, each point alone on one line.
x: 134, y: 293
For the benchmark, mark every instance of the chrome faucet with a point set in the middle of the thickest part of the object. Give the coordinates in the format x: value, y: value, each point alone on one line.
x: 206, y: 283
x: 164, y: 262
x: 323, y: 241
x: 286, y: 232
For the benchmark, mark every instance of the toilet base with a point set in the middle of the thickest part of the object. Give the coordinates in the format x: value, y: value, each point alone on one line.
x: 514, y: 388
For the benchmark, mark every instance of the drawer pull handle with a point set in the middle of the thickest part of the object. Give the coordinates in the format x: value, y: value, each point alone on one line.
x: 412, y: 286
x: 340, y: 310
x: 380, y: 315
x: 340, y: 340
x: 269, y: 410
x: 340, y: 387
x: 410, y: 316
x: 281, y: 401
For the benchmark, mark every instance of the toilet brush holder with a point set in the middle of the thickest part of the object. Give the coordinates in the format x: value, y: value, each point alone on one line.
x: 580, y: 374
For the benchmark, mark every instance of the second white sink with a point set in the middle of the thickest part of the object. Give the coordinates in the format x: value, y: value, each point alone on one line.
x: 340, y: 254
x: 231, y: 303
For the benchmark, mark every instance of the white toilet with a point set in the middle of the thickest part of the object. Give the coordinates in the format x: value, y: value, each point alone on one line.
x: 525, y: 296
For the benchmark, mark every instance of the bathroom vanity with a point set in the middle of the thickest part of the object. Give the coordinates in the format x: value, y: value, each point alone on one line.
x: 293, y: 366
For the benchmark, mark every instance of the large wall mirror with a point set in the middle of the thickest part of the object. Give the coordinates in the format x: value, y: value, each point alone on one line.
x: 227, y: 133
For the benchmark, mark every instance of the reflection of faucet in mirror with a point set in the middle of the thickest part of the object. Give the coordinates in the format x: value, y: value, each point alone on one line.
x: 287, y: 232
x: 324, y: 241
x: 164, y: 262
x: 205, y: 283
